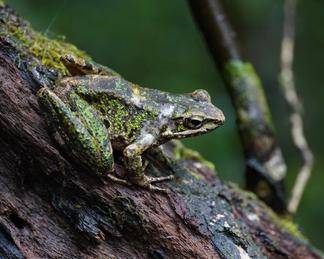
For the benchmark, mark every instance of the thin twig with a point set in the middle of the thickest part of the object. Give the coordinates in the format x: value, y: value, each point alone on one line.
x: 289, y: 90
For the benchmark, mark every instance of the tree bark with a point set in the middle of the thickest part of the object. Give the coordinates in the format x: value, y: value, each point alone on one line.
x: 50, y: 207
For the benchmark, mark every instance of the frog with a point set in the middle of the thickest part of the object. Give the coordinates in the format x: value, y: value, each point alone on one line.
x: 94, y: 112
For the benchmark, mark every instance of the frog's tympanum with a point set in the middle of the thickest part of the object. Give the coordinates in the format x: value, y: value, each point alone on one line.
x: 96, y: 111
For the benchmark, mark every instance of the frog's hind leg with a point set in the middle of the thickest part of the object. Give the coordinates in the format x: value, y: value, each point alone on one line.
x: 81, y: 131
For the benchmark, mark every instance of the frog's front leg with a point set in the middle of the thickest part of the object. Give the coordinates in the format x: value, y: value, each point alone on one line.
x: 134, y: 162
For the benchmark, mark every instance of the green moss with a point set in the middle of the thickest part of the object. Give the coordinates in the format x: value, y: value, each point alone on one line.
x: 286, y: 224
x: 118, y: 113
x: 238, y: 69
x: 248, y: 90
x: 50, y: 51
x: 128, y: 211
x: 180, y: 128
x: 19, y: 34
x: 283, y: 223
x: 198, y: 177
x: 182, y: 152
x: 2, y: 3
x: 77, y: 206
x: 47, y: 51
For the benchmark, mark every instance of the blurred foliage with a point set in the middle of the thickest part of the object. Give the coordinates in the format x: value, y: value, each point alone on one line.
x: 156, y: 44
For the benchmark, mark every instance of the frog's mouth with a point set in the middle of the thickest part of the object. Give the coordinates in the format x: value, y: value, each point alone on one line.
x: 192, y: 132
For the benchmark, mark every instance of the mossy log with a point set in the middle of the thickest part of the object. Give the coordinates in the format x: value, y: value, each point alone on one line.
x: 52, y: 208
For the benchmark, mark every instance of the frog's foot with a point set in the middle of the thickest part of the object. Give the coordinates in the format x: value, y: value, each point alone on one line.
x: 157, y: 189
x: 147, y: 182
x: 159, y: 179
x: 151, y: 180
x: 118, y: 180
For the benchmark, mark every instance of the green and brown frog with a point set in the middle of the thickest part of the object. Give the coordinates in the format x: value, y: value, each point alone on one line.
x: 96, y: 111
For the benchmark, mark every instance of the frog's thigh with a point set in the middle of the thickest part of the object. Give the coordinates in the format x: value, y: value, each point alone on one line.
x: 82, y: 130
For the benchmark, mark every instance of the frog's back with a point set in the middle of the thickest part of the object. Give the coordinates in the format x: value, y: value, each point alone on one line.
x: 113, y: 96
x: 115, y: 87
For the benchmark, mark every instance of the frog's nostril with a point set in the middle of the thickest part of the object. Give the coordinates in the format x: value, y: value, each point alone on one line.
x: 221, y: 118
x: 220, y: 121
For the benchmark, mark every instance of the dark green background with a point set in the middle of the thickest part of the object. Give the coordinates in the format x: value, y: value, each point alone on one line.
x: 156, y: 44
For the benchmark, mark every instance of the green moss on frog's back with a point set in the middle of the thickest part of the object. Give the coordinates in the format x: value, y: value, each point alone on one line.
x: 124, y: 118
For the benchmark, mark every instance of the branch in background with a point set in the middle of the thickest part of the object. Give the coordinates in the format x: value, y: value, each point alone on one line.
x: 265, y: 167
x: 288, y: 87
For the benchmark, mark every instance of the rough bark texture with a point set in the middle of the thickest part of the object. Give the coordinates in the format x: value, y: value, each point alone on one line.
x: 52, y: 208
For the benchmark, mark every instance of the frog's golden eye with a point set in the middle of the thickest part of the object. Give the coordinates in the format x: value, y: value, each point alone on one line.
x: 194, y: 122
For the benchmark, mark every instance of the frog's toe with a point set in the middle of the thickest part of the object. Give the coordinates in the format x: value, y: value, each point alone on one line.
x: 150, y: 180
x: 157, y: 189
x: 159, y: 179
x: 147, y: 183
x: 118, y: 180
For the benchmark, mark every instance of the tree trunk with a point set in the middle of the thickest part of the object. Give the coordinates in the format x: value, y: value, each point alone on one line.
x: 52, y: 208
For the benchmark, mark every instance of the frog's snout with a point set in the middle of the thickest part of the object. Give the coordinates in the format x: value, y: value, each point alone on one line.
x: 220, y: 118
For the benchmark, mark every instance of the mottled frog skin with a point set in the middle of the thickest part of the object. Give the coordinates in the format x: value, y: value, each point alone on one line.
x: 96, y: 111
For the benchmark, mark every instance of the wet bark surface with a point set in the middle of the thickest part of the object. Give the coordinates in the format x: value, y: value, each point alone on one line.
x: 50, y: 207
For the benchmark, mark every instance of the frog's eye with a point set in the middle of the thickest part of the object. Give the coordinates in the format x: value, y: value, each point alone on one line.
x: 194, y: 122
